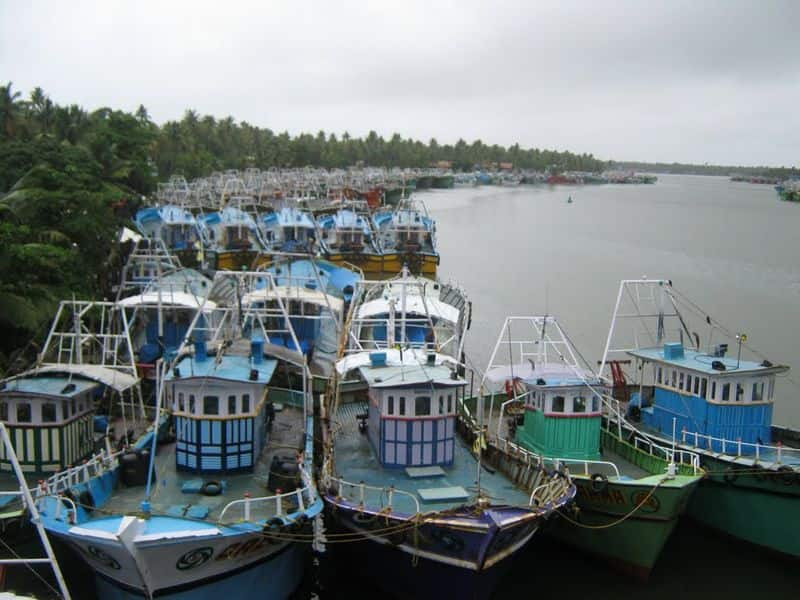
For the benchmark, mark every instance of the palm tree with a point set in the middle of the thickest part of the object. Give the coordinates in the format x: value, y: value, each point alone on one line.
x: 9, y: 111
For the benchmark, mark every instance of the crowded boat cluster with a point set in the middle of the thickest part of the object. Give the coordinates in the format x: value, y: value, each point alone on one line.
x: 284, y: 370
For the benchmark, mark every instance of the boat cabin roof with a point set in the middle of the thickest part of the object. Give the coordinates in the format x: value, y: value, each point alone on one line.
x: 228, y: 367
x: 108, y: 376
x: 703, y: 362
x: 549, y: 375
x: 168, y: 298
x: 49, y: 386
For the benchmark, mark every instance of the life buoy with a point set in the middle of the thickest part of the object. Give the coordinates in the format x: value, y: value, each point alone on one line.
x: 86, y: 500
x: 211, y: 488
x: 599, y: 483
x: 272, y: 528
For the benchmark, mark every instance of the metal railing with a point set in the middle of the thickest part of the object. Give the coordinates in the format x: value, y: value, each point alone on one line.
x: 361, y: 490
x: 677, y: 455
x: 266, y: 507
x: 778, y: 452
x: 63, y: 480
x: 548, y: 492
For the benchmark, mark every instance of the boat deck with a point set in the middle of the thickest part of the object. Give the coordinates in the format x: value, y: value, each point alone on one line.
x: 167, y: 498
x: 356, y: 463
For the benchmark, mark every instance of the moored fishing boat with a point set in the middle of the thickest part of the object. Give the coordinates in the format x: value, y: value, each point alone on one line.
x: 220, y: 509
x: 407, y: 236
x: 288, y: 229
x: 407, y: 469
x: 231, y: 240
x: 175, y: 226
x: 719, y: 406
x: 631, y: 491
x: 347, y: 239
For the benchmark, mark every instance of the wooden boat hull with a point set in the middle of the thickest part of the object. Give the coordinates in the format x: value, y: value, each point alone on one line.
x: 389, y: 265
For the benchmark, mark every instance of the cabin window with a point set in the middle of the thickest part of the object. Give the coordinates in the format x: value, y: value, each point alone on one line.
x: 595, y: 405
x: 23, y: 412
x: 210, y: 405
x: 191, y: 403
x: 49, y: 413
x: 441, y: 405
x: 688, y: 383
x: 231, y: 405
x: 245, y: 403
x: 713, y: 390
x: 579, y: 404
x: 422, y: 405
x: 449, y: 403
x: 558, y: 404
x: 696, y: 386
x: 181, y: 405
x: 402, y: 405
x: 658, y: 374
x: 726, y: 392
x: 74, y: 407
x: 771, y: 394
x: 390, y: 405
x: 3, y: 411
x: 758, y: 392
x: 680, y: 380
x: 674, y: 378
x: 703, y: 387
x: 532, y: 398
x: 739, y: 392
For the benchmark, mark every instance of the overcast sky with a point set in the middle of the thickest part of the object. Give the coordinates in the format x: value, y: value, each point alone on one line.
x: 696, y: 81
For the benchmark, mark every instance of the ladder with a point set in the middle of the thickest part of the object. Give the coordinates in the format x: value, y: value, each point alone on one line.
x: 27, y: 501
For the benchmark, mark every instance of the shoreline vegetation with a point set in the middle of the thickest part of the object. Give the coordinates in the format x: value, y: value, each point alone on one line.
x: 70, y: 178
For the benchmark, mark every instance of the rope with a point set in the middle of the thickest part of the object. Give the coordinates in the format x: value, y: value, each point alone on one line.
x: 618, y: 521
x: 31, y: 569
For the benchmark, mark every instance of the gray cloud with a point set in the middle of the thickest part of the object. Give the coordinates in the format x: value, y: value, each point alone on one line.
x: 686, y: 81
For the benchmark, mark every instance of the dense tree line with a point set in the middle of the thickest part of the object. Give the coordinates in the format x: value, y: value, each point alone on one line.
x: 689, y: 169
x: 70, y: 177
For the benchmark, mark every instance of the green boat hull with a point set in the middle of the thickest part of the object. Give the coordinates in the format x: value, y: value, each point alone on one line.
x: 633, y: 545
x: 424, y: 182
x: 443, y: 182
x: 750, y: 506
x: 789, y: 196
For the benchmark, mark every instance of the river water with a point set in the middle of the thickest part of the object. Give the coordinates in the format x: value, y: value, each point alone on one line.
x: 732, y: 248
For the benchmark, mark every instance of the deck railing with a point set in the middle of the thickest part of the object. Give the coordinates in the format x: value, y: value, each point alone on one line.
x: 267, y: 507
x: 361, y: 494
x: 678, y: 455
x: 507, y: 444
x: 777, y: 453
x: 62, y: 481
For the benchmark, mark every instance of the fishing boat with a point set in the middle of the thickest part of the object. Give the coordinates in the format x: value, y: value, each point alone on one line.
x: 346, y: 239
x: 683, y: 385
x: 176, y: 227
x: 58, y: 413
x: 317, y: 294
x: 288, y: 229
x: 159, y: 299
x: 631, y: 489
x: 789, y: 190
x: 407, y: 236
x: 221, y: 508
x: 407, y: 470
x: 443, y: 180
x: 231, y: 240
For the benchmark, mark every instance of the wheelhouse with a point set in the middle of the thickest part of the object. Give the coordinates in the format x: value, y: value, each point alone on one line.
x: 49, y: 420
x: 411, y: 410
x: 220, y: 408
x: 706, y: 393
